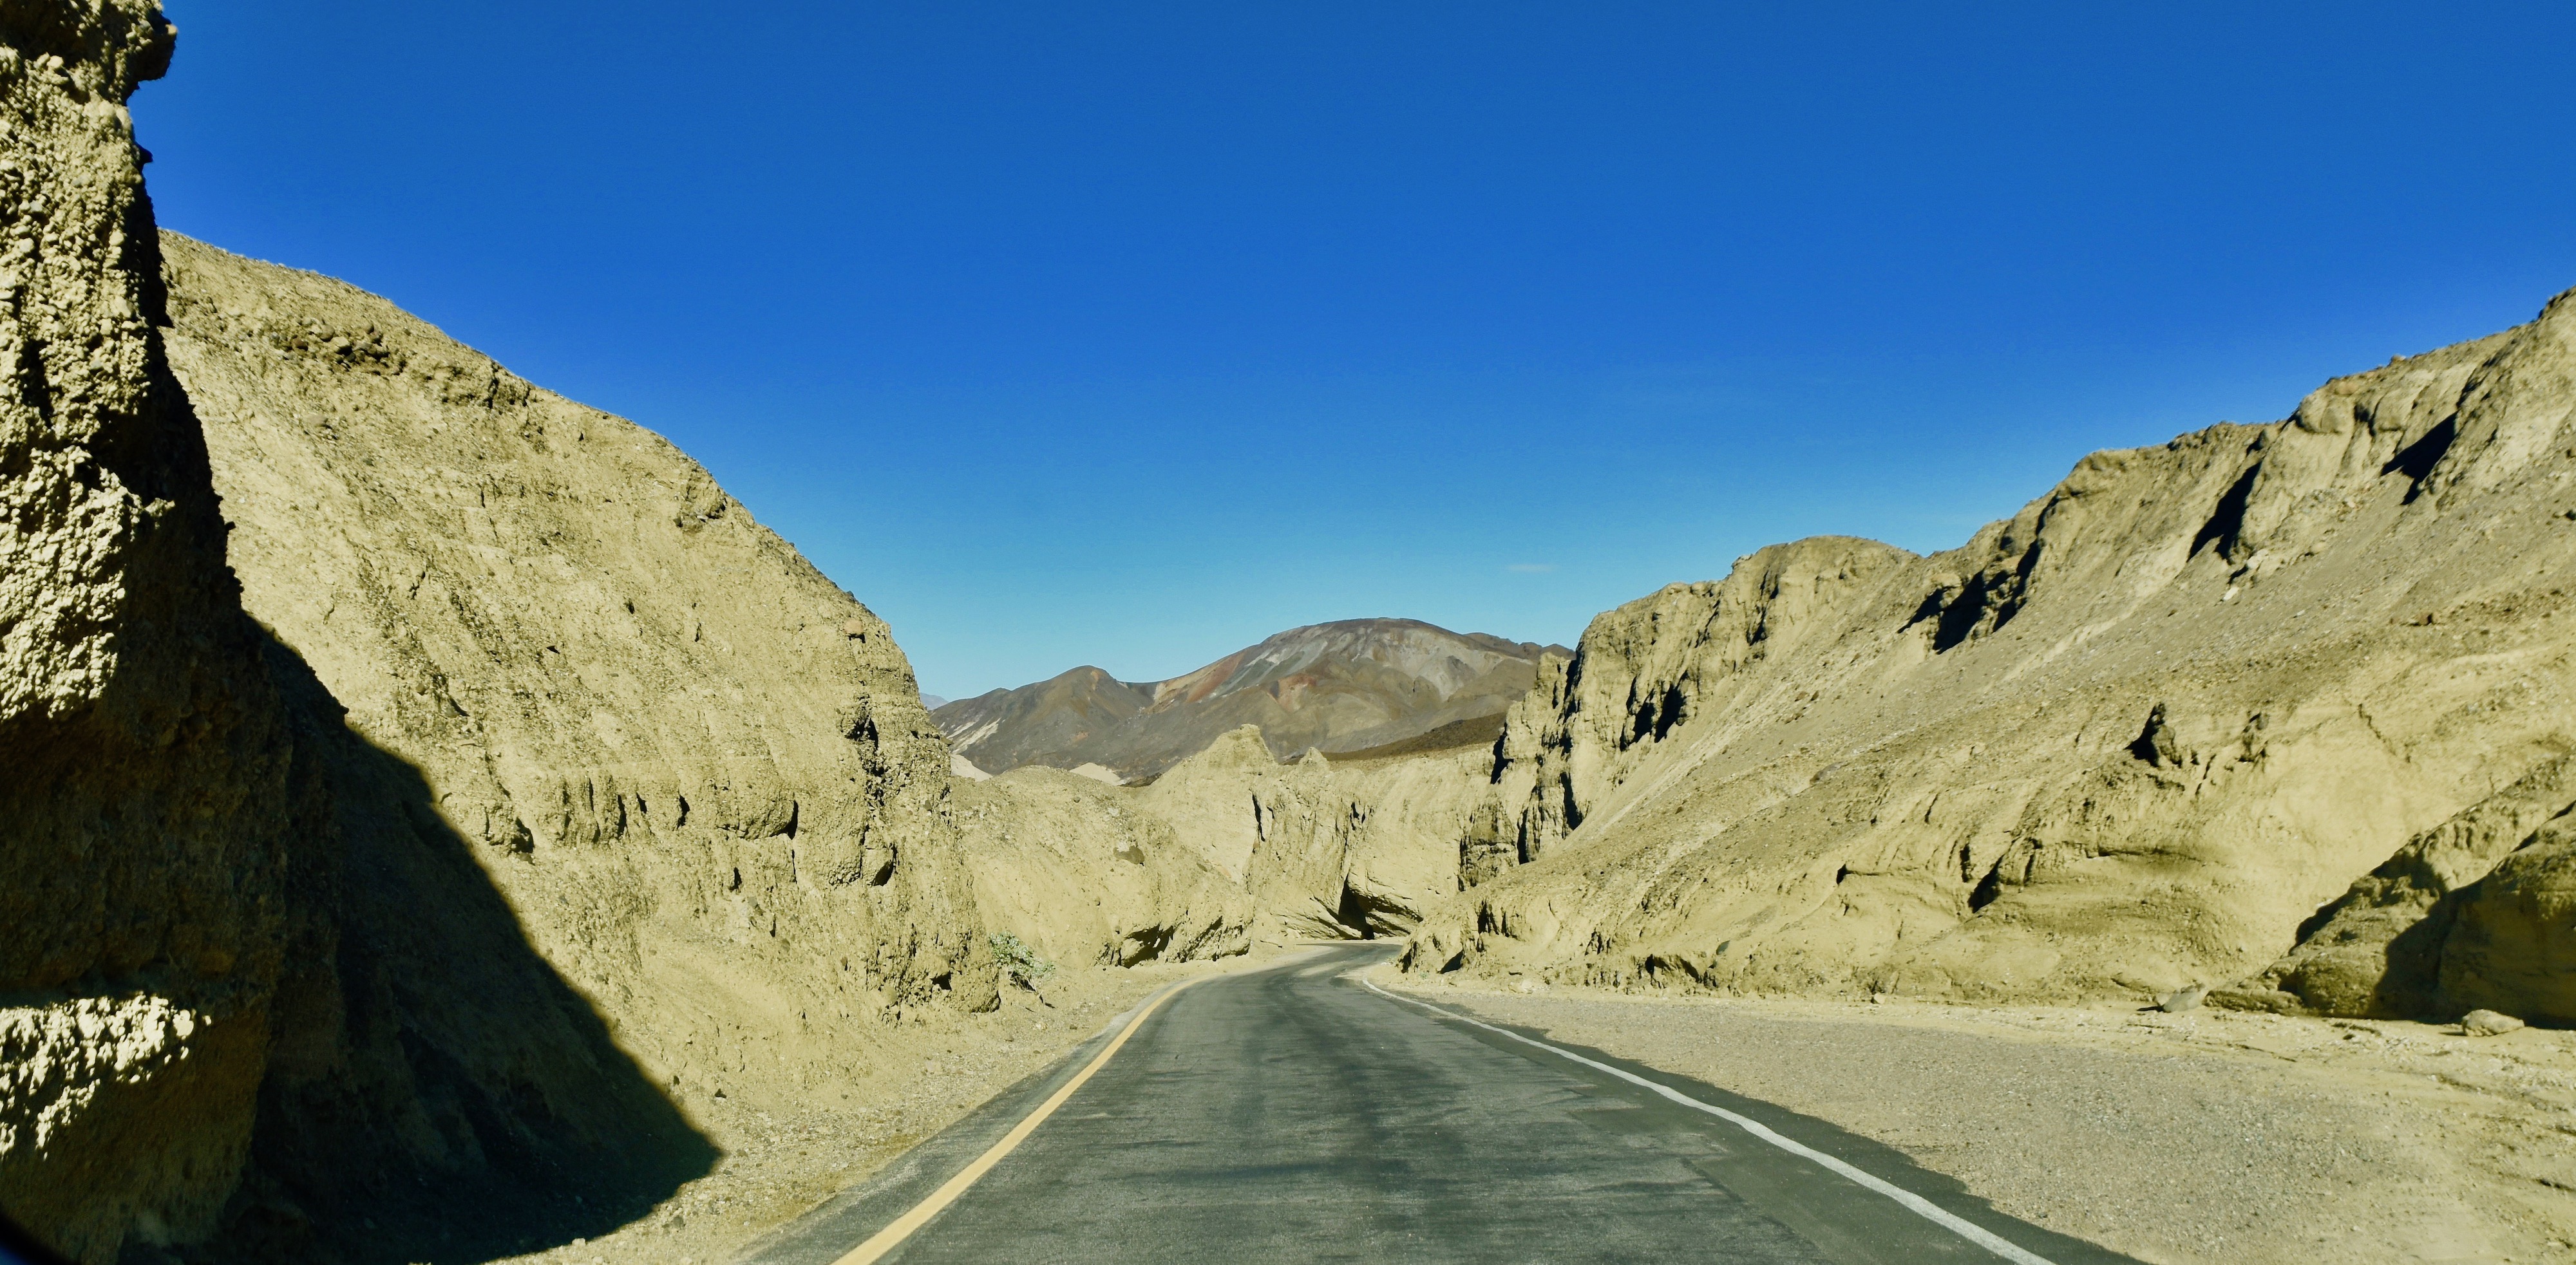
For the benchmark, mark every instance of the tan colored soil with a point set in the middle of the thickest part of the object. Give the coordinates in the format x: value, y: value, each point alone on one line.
x: 2206, y: 1136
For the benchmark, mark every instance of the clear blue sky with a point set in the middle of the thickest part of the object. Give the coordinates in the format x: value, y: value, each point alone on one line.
x: 1128, y: 334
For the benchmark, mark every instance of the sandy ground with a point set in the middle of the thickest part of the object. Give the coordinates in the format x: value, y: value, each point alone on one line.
x: 779, y: 1163
x: 2203, y: 1136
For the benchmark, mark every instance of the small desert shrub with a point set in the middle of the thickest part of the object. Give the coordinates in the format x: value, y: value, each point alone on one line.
x: 1020, y: 964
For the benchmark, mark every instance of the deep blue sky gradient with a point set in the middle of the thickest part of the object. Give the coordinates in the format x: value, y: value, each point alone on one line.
x: 1128, y: 334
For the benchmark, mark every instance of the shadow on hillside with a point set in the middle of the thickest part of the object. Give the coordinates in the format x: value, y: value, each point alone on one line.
x: 435, y: 1091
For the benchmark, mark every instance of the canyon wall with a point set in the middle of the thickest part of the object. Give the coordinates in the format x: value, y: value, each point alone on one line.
x: 153, y: 799
x: 2128, y: 741
x: 638, y: 808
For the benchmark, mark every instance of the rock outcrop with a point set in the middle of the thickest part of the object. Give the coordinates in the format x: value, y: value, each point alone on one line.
x: 152, y: 800
x: 1325, y: 850
x: 1229, y: 851
x: 1082, y: 873
x: 2129, y: 741
x: 1355, y: 685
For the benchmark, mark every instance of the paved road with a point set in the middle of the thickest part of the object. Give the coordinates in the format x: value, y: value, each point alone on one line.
x: 1290, y: 1114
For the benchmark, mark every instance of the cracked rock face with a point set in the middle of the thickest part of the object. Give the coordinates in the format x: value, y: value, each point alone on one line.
x: 2385, y: 947
x: 641, y: 708
x: 148, y: 801
x: 2128, y: 741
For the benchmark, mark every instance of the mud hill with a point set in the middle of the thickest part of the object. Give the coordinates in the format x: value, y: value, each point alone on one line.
x: 1338, y: 687
x: 2131, y: 740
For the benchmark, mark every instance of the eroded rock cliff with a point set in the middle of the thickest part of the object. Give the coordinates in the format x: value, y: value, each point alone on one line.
x: 2129, y: 740
x: 1081, y: 872
x: 150, y: 803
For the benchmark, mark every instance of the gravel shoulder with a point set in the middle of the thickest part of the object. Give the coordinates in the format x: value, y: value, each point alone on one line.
x: 2203, y: 1136
x: 779, y: 1163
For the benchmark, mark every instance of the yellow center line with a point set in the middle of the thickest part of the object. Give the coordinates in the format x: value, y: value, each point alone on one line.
x: 885, y: 1240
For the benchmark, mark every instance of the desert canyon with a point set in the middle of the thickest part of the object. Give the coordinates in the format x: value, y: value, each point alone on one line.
x: 428, y: 790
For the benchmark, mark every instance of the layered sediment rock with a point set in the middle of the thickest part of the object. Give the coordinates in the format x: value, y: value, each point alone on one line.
x: 1324, y: 851
x: 2380, y: 949
x: 1084, y: 875
x: 2130, y: 740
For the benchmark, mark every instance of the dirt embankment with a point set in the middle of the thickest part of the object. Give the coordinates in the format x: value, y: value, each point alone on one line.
x: 2206, y: 1136
x: 2131, y: 740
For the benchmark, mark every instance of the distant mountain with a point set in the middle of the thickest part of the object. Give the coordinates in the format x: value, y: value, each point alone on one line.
x: 1357, y: 685
x: 933, y: 702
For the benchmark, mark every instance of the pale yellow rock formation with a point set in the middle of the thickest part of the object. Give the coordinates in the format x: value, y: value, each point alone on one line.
x: 1081, y: 872
x: 2379, y: 950
x: 562, y: 797
x: 150, y: 800
x: 641, y: 707
x: 1228, y: 851
x: 603, y: 730
x: 2126, y: 742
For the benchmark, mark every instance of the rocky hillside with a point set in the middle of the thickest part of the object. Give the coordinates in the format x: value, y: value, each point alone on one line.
x: 1339, y: 687
x: 2131, y: 740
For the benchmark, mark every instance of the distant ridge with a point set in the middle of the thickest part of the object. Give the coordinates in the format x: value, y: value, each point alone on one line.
x: 1344, y: 687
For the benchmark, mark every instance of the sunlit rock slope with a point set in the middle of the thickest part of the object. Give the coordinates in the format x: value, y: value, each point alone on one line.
x: 1228, y: 851
x: 2130, y: 740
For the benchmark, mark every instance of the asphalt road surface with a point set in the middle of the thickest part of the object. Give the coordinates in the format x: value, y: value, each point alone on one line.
x: 1288, y: 1113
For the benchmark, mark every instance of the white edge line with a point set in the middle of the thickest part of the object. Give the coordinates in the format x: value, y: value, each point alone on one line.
x: 1914, y: 1203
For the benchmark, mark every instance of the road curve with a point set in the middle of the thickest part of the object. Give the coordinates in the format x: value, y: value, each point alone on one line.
x: 1287, y: 1113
